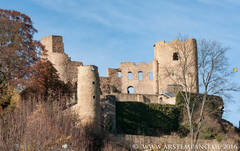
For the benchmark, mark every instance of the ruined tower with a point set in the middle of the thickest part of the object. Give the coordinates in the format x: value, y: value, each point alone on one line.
x: 88, y: 93
x: 55, y: 54
x: 168, y: 56
x: 87, y: 79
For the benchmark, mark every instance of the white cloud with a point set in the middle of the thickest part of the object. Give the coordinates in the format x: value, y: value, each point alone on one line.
x: 76, y: 9
x: 128, y: 17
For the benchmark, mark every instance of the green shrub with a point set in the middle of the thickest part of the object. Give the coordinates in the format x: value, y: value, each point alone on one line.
x: 179, y: 100
x: 237, y: 130
x: 208, y: 133
x: 220, y: 137
x: 183, y: 130
x: 146, y: 119
x: 212, y: 103
x: 108, y: 123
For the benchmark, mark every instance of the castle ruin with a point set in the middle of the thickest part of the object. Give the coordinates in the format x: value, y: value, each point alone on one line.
x: 130, y: 82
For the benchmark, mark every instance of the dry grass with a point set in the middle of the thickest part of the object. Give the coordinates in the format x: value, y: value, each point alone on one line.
x: 40, y: 126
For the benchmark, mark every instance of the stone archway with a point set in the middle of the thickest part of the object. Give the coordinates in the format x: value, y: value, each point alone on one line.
x: 130, y: 90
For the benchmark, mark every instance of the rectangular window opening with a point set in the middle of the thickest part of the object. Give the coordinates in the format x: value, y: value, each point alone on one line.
x: 119, y: 74
x: 150, y: 75
x: 140, y: 75
x: 129, y: 75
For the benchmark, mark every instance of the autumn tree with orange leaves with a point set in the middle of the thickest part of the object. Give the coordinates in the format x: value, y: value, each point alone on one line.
x: 21, y: 67
x: 38, y: 121
x: 18, y: 50
x: 45, y: 84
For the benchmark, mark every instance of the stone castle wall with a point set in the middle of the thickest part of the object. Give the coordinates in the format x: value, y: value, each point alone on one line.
x: 85, y: 78
x: 146, y: 98
x: 162, y: 73
x: 147, y: 80
x: 140, y: 77
x: 96, y: 95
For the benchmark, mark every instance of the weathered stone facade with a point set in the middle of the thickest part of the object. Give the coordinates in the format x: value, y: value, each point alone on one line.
x: 148, y: 82
x: 164, y: 54
x: 88, y: 96
x: 66, y: 68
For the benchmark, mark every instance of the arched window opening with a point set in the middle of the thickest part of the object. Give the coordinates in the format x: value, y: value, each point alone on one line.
x: 175, y: 56
x: 140, y: 75
x: 160, y: 100
x: 129, y: 75
x: 119, y: 74
x: 130, y: 90
x: 150, y: 75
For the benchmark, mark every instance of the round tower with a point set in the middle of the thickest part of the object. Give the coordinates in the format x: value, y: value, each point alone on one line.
x: 88, y: 93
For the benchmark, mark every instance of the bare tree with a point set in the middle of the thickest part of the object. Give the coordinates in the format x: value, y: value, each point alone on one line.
x: 211, y: 68
x: 215, y: 74
x: 183, y: 74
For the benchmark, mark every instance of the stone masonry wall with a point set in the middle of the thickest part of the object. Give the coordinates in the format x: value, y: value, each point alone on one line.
x: 66, y: 68
x: 111, y: 83
x: 88, y: 94
x: 147, y: 79
x: 147, y: 98
x: 163, y: 53
x: 140, y: 86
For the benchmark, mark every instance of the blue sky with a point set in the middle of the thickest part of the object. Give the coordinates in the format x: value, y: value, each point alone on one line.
x: 107, y: 32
